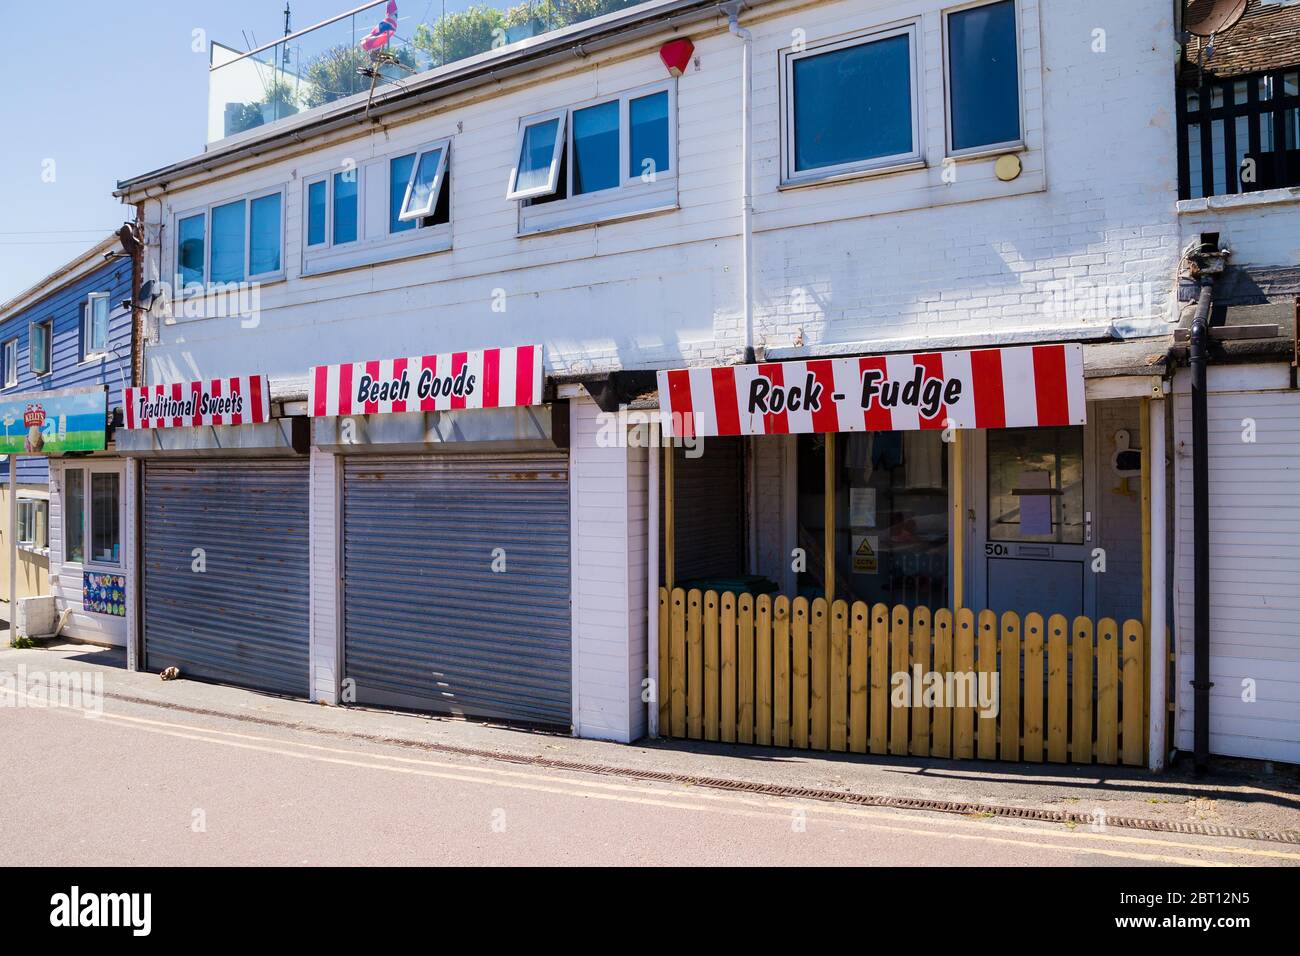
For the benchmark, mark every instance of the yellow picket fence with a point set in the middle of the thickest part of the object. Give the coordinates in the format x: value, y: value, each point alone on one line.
x: 800, y: 673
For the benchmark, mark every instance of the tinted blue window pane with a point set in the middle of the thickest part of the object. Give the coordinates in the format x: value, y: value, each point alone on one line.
x: 399, y: 174
x: 535, y: 157
x: 648, y: 119
x: 264, y: 235
x: 189, y: 251
x: 853, y: 104
x: 422, y: 197
x: 345, y: 207
x: 228, y: 242
x: 595, y: 148
x: 316, y: 214
x: 985, y: 97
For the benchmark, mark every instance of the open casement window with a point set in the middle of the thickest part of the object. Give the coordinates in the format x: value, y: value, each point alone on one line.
x: 94, y: 325
x: 40, y: 341
x: 11, y: 362
x: 426, y: 182
x: 541, y: 146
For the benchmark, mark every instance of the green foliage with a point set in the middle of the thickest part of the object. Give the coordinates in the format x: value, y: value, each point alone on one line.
x: 333, y: 74
x: 23, y: 642
x: 482, y: 27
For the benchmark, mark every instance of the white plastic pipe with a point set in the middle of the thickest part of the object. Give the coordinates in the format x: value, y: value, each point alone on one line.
x: 1159, y: 650
x: 747, y: 174
x: 13, y: 548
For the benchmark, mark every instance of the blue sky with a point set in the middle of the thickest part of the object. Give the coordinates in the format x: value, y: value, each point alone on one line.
x: 108, y: 91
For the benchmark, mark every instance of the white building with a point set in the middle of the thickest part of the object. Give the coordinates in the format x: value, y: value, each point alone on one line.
x: 926, y: 176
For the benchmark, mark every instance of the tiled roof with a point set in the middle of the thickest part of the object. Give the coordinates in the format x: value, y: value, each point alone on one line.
x: 1266, y: 38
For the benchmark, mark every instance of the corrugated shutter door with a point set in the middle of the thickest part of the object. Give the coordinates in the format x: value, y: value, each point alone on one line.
x: 428, y: 624
x: 243, y: 619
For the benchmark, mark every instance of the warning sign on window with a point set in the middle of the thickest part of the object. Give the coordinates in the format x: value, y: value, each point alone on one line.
x: 865, y: 554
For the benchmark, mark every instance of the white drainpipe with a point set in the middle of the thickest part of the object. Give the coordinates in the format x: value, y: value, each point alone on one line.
x: 652, y: 582
x: 732, y: 13
x: 1159, y: 651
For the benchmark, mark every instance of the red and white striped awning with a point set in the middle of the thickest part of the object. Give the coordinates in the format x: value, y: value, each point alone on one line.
x: 243, y: 400
x: 986, y: 388
x: 490, y: 378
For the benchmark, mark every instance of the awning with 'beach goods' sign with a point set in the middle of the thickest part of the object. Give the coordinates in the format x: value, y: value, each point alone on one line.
x: 986, y: 388
x: 489, y: 378
x: 242, y: 400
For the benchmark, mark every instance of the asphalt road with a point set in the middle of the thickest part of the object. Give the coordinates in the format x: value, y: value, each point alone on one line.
x: 145, y: 785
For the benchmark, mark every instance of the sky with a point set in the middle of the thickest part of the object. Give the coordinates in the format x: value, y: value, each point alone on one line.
x: 106, y: 91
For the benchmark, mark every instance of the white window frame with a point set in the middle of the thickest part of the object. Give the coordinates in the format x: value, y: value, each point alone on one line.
x: 88, y: 350
x: 87, y: 530
x: 631, y: 197
x: 206, y: 211
x: 1012, y: 145
x: 561, y: 117
x: 406, y: 214
x: 384, y: 246
x: 882, y: 164
x: 9, y: 357
x: 47, y: 326
x: 32, y: 503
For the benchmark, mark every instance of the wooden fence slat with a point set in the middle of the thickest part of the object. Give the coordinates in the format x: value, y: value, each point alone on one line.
x: 963, y: 718
x: 663, y: 691
x: 677, y: 663
x: 799, y: 651
x: 694, y: 665
x: 1081, y: 725
x: 745, y: 669
x: 763, y: 669
x: 878, y: 730
x: 1033, y: 688
x: 727, y: 645
x: 1009, y: 688
x: 781, y: 671
x: 1135, y: 692
x: 711, y: 682
x: 858, y: 627
x: 920, y: 666
x: 987, y: 666
x: 900, y: 636
x: 1107, y: 691
x: 1058, y: 692
x: 821, y: 663
x: 941, y: 725
x: 839, y: 677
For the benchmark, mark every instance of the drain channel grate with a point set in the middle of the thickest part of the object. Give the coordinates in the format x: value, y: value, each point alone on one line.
x: 1291, y: 837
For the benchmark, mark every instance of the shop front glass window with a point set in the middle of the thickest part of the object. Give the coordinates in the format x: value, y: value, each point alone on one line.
x: 74, y: 518
x: 891, y: 517
x: 1035, y: 485
x: 104, y: 543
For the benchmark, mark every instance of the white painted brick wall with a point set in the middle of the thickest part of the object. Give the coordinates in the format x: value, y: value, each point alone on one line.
x: 867, y: 263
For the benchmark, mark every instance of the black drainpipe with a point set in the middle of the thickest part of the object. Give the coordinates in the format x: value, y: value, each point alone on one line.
x: 1199, y: 359
x: 1206, y: 262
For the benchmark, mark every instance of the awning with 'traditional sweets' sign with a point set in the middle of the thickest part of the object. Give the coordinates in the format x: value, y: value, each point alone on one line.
x: 1026, y: 386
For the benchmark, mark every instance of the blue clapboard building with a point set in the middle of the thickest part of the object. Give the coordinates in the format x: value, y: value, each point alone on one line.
x: 68, y: 331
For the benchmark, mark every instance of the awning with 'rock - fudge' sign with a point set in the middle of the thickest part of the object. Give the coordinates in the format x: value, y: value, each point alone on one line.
x: 1019, y: 387
x: 489, y: 378
x: 242, y: 400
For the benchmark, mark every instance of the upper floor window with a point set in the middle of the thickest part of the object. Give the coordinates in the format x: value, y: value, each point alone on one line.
x: 851, y: 105
x: 11, y: 362
x: 615, y: 156
x: 983, y: 77
x: 382, y: 209
x: 94, y: 324
x: 232, y: 241
x: 40, y: 342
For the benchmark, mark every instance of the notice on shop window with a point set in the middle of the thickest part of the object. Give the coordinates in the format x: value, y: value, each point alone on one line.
x: 866, y: 554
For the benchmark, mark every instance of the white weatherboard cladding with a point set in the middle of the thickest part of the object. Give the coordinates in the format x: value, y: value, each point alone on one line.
x: 895, y: 257
x: 1254, y: 573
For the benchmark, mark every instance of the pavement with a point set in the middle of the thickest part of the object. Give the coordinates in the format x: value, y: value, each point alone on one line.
x: 182, y: 772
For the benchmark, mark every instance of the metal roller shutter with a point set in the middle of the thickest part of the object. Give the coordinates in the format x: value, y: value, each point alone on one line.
x: 243, y: 620
x: 428, y: 624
